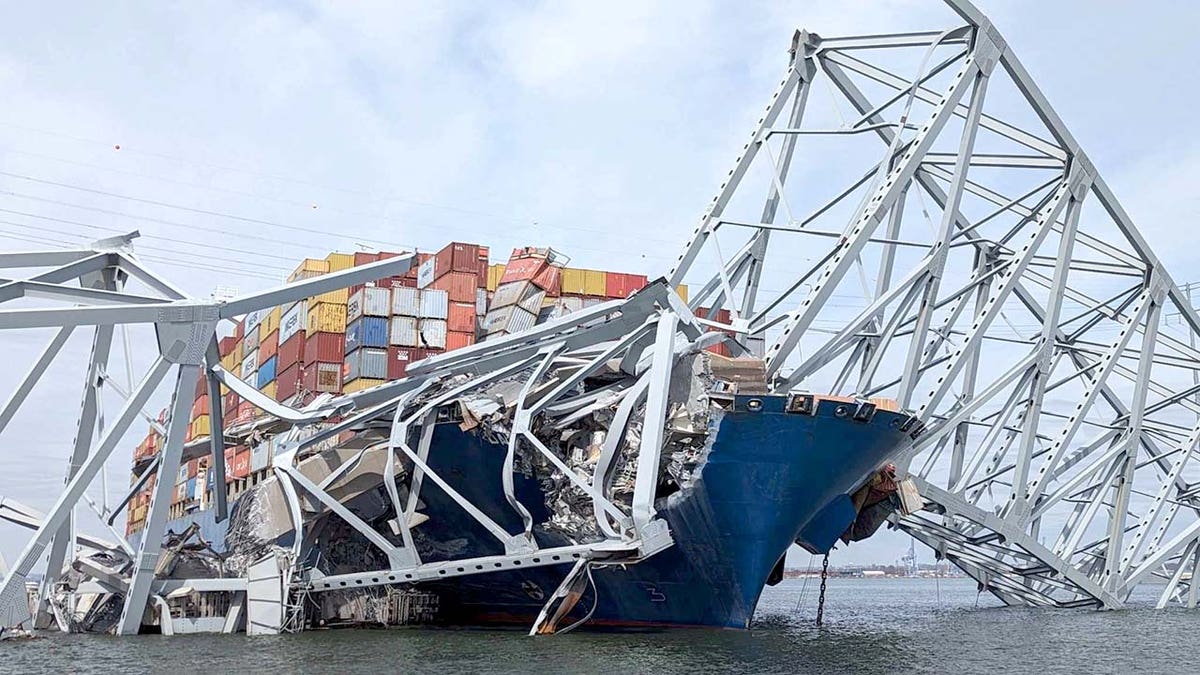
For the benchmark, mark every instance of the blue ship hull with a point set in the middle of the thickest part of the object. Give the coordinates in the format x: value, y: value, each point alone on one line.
x: 772, y: 478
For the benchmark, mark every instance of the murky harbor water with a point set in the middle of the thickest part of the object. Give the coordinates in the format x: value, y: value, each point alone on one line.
x: 872, y: 626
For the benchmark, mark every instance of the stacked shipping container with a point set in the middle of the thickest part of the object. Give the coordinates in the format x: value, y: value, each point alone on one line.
x: 353, y: 339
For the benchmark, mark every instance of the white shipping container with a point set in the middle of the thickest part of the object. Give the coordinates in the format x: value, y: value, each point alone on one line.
x: 295, y: 320
x: 511, y: 319
x: 260, y: 455
x: 425, y: 273
x: 406, y: 301
x: 376, y: 301
x: 435, y: 304
x: 354, y: 305
x: 509, y: 294
x: 254, y: 318
x: 532, y: 303
x: 481, y: 301
x: 250, y: 366
x: 433, y: 333
x: 570, y: 304
x: 403, y: 331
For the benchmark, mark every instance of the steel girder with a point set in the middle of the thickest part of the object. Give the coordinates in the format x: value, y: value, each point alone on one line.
x: 1014, y: 307
x: 185, y: 329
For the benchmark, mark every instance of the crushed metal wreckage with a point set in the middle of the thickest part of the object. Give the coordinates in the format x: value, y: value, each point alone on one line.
x: 599, y: 466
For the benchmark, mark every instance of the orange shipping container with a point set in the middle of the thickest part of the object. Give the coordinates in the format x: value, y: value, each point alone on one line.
x: 459, y: 286
x: 458, y: 340
x: 461, y: 318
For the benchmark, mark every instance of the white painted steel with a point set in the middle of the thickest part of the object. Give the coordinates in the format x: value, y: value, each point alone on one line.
x: 975, y: 266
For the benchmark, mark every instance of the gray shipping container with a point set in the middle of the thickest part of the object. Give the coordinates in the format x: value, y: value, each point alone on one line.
x: 481, y: 302
x: 532, y: 303
x: 433, y: 333
x: 403, y: 331
x: 369, y: 301
x: 406, y: 301
x: 435, y: 304
x: 367, y: 362
x: 250, y: 365
x: 261, y: 454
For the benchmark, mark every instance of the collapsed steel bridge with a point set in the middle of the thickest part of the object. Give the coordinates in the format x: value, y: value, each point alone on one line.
x: 940, y: 238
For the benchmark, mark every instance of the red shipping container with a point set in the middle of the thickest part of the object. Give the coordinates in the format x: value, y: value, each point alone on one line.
x: 481, y: 271
x: 412, y: 272
x: 401, y: 282
x: 522, y: 269
x: 461, y: 317
x: 239, y: 331
x: 200, y: 406
x: 201, y: 386
x: 618, y: 285
x: 459, y: 286
x: 288, y: 382
x: 193, y: 468
x: 398, y: 360
x: 241, y: 464
x: 327, y: 347
x: 227, y: 344
x: 322, y: 376
x: 268, y: 347
x: 365, y: 258
x: 456, y: 257
x: 458, y: 340
x: 245, y: 412
x: 231, y: 404
x: 291, y: 350
x: 549, y: 279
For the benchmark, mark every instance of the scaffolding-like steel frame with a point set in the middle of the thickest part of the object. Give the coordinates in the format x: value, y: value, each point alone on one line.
x: 1055, y: 464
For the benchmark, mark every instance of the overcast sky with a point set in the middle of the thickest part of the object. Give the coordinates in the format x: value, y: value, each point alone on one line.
x: 289, y: 129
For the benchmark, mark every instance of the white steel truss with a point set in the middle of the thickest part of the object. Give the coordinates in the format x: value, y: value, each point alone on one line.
x: 939, y: 238
x: 943, y: 240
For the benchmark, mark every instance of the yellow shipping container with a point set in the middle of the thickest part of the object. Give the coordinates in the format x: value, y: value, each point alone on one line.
x: 326, y: 318
x: 309, y: 268
x: 239, y: 353
x: 595, y: 283
x: 339, y: 261
x: 682, y: 290
x: 339, y: 297
x: 270, y: 322
x: 228, y: 362
x: 271, y: 389
x: 360, y: 384
x: 495, y: 272
x: 201, y: 426
x: 574, y: 282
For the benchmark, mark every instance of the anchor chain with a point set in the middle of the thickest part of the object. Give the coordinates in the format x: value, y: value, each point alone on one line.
x: 821, y: 597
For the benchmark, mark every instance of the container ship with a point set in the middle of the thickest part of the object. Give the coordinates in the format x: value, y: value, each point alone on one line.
x: 760, y: 473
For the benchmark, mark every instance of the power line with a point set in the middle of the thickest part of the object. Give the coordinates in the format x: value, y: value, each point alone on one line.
x: 189, y: 209
x: 371, y: 197
x: 105, y: 230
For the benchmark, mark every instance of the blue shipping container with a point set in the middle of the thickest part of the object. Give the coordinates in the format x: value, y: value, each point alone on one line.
x: 266, y: 372
x: 368, y: 331
x: 191, y: 489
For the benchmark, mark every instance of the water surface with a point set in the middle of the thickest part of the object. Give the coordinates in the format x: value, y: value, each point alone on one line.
x: 871, y: 626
